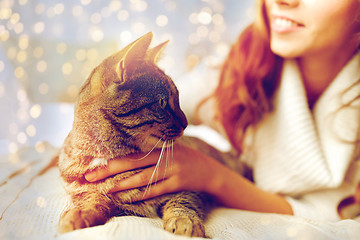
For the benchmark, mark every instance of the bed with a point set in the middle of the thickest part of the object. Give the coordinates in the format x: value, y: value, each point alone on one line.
x: 47, y: 48
x: 31, y: 204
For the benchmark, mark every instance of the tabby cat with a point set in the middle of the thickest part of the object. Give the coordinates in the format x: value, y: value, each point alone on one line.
x: 127, y: 105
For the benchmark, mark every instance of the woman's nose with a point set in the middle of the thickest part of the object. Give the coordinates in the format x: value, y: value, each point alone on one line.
x: 289, y: 3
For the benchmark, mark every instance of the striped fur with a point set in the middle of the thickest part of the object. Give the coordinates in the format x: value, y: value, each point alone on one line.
x: 127, y: 105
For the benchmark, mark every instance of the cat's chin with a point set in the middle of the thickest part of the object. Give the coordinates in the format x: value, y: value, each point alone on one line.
x: 156, y: 142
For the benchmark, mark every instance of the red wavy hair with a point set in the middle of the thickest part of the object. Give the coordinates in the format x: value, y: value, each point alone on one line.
x: 248, y: 80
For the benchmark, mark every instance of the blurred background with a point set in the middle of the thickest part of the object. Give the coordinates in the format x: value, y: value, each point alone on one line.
x: 48, y: 48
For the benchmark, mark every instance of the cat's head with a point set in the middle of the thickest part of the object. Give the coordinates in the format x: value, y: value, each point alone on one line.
x: 128, y: 100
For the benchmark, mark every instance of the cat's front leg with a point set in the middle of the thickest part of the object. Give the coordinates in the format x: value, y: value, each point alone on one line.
x: 180, y: 222
x: 89, y: 209
x: 185, y: 213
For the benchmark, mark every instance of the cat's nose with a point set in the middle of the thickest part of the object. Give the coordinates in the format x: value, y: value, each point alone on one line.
x: 182, y: 120
x: 179, y: 123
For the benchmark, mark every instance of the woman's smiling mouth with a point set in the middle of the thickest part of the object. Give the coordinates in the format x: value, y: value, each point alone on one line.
x: 284, y: 25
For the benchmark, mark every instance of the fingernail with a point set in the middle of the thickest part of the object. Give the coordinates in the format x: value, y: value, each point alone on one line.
x: 91, y: 176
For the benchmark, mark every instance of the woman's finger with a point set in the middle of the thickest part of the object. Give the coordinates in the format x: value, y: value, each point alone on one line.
x: 146, y: 177
x: 121, y: 165
x: 156, y: 189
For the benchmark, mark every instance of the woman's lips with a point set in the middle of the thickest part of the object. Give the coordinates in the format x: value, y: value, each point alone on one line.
x: 285, y: 25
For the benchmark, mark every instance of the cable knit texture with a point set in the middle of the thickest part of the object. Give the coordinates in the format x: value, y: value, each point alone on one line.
x: 298, y: 151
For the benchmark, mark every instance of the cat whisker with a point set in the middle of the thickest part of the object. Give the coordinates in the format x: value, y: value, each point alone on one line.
x: 156, y: 169
x: 163, y: 150
x: 149, y: 151
x: 168, y: 153
x: 172, y: 154
x: 105, y: 194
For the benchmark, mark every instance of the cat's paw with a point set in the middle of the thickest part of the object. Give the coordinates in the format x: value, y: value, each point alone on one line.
x: 185, y: 225
x: 74, y: 219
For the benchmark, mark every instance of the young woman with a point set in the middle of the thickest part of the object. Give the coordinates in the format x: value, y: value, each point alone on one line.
x: 288, y: 101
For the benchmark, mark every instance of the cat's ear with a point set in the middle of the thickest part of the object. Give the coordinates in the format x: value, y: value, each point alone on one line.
x: 96, y: 83
x: 126, y: 59
x: 137, y: 51
x: 155, y: 52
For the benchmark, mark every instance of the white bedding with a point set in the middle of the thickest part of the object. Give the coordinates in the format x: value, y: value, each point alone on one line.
x: 30, y: 209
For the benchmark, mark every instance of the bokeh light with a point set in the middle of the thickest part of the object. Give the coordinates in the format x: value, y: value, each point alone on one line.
x: 41, y: 66
x: 85, y: 2
x: 67, y: 68
x: 123, y: 15
x: 31, y: 130
x: 43, y: 88
x: 162, y: 20
x: 23, y: 42
x: 19, y: 72
x: 13, y: 147
x: 40, y: 147
x: 35, y: 111
x: 39, y: 27
x: 80, y: 54
x: 61, y: 48
x: 2, y: 90
x: 2, y: 66
x: 21, y: 95
x: 39, y: 8
x: 49, y: 48
x: 77, y: 10
x: 38, y: 52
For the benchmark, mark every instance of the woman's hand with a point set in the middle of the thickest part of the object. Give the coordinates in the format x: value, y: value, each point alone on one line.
x: 181, y: 169
x: 189, y: 169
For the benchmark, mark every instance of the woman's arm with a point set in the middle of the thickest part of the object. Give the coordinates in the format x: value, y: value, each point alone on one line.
x: 192, y: 170
x: 235, y: 191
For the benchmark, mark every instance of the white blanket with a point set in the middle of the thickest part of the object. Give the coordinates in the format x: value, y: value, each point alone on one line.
x: 31, y: 209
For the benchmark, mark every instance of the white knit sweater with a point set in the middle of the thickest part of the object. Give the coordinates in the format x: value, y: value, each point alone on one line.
x: 303, y: 154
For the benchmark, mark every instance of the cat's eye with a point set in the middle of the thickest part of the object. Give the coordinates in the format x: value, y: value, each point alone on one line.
x: 162, y: 102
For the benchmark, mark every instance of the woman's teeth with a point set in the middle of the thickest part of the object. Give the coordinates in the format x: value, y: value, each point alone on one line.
x: 285, y: 23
